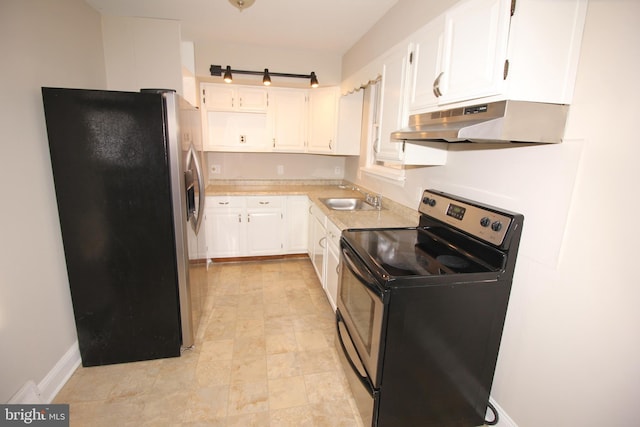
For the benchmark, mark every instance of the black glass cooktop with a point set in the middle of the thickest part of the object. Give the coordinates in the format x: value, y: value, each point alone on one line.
x: 421, y: 252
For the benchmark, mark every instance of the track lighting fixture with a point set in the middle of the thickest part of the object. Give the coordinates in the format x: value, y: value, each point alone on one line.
x: 227, y: 75
x: 216, y: 70
x: 266, y: 79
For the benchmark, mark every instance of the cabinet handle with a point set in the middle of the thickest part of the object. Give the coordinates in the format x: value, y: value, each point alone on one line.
x: 320, y: 242
x: 233, y: 101
x: 330, y: 141
x: 223, y: 203
x: 248, y: 217
x: 240, y: 104
x: 436, y: 86
x: 239, y: 217
x: 264, y: 203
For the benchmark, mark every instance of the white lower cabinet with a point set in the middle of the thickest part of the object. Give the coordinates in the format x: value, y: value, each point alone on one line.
x: 239, y: 226
x: 264, y: 225
x: 296, y: 220
x: 224, y: 226
x: 324, y: 251
x: 332, y: 273
x: 317, y: 240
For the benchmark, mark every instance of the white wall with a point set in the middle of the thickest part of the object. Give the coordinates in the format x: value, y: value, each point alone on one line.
x: 571, y: 345
x: 142, y: 53
x: 42, y: 43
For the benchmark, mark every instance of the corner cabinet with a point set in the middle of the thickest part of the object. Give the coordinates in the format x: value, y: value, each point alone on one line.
x: 323, y: 107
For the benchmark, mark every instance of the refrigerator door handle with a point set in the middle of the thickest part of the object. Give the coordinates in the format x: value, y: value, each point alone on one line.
x: 193, y: 156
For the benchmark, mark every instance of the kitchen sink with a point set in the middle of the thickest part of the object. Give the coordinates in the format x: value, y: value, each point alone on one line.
x: 348, y: 204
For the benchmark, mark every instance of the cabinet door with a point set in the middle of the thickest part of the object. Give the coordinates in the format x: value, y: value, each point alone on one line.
x: 332, y: 259
x: 426, y: 65
x: 322, y: 120
x: 349, y: 124
x: 319, y: 242
x: 392, y: 105
x: 252, y: 99
x: 331, y: 279
x: 218, y: 97
x: 475, y: 47
x: 235, y: 131
x: 264, y: 232
x: 296, y: 224
x: 225, y: 232
x: 287, y: 119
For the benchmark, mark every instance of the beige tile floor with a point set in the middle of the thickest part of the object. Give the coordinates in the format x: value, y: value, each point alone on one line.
x: 264, y: 356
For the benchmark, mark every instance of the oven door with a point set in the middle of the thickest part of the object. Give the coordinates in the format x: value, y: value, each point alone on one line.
x: 364, y: 395
x: 361, y: 307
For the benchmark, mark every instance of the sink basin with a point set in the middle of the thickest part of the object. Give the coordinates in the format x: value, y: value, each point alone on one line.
x: 347, y: 204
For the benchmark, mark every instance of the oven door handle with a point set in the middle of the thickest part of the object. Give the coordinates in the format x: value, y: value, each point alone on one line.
x: 364, y: 379
x: 362, y: 275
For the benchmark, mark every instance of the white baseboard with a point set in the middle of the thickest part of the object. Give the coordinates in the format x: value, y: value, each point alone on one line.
x: 504, y: 419
x: 48, y: 388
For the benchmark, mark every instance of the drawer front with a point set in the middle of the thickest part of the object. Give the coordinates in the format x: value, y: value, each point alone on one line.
x: 265, y: 202
x: 214, y: 202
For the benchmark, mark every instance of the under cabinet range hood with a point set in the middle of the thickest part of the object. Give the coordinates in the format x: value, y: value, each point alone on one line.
x: 501, y: 121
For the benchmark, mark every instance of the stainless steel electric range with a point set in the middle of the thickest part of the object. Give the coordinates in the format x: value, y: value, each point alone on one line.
x: 421, y: 312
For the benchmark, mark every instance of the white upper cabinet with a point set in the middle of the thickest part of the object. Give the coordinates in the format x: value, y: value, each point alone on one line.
x: 426, y: 64
x: 492, y: 50
x: 391, y: 107
x: 287, y: 119
x: 234, y: 118
x: 349, y: 124
x: 217, y: 97
x: 392, y: 114
x: 257, y: 119
x: 323, y: 107
x: 476, y: 33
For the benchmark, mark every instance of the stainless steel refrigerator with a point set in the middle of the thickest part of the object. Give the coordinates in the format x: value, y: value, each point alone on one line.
x: 128, y: 184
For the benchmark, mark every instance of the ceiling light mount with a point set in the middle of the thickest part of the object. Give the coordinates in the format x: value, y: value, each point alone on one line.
x: 242, y: 4
x: 217, y: 71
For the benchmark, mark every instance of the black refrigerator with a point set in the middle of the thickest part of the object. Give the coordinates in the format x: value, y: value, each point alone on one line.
x: 130, y: 194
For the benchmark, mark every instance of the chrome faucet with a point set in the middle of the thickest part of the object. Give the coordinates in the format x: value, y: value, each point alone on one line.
x: 374, y: 200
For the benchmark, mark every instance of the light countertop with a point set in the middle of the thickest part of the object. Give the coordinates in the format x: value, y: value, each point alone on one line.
x: 391, y: 215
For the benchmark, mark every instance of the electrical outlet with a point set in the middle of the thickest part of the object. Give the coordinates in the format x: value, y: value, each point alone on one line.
x: 280, y: 170
x: 337, y: 170
x: 216, y: 169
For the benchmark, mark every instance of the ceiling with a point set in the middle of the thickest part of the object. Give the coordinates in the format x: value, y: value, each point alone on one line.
x: 331, y: 26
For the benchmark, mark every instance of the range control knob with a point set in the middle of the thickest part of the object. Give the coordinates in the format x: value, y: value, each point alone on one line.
x: 485, y: 222
x: 496, y: 226
x: 428, y: 201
